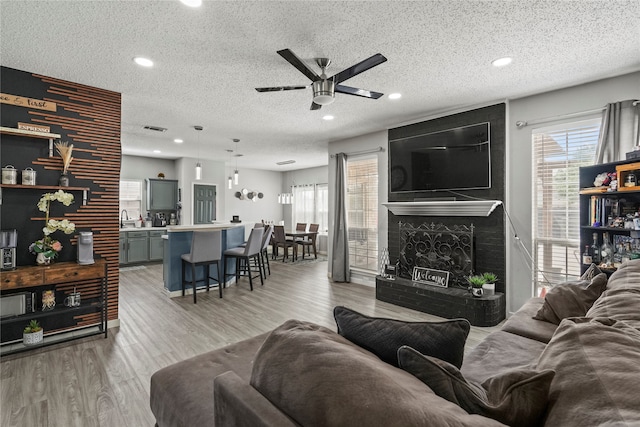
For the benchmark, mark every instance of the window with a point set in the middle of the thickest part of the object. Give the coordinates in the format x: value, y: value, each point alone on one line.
x: 131, y: 198
x: 310, y: 205
x: 558, y: 152
x: 362, y: 212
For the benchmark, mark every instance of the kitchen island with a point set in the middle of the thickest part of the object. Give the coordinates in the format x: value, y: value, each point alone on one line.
x: 177, y: 241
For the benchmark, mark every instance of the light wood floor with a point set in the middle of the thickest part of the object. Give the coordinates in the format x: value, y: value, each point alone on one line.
x: 105, y: 382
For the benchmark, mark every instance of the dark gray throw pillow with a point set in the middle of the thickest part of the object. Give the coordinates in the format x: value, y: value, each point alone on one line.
x: 383, y: 337
x: 571, y: 299
x: 517, y: 397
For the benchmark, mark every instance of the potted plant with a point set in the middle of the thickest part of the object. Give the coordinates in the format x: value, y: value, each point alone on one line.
x: 489, y: 288
x: 476, y: 283
x: 32, y: 333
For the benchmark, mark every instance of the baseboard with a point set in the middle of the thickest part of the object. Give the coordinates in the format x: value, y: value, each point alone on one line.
x: 115, y: 323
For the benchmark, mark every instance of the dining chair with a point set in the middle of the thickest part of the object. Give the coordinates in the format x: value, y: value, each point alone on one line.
x: 310, y: 241
x: 206, y: 249
x: 264, y: 256
x: 244, y: 255
x: 280, y: 241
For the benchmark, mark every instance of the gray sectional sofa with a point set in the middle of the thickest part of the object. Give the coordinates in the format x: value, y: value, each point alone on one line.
x: 585, y: 371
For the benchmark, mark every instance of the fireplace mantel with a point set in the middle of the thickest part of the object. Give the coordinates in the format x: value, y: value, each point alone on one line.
x: 444, y: 208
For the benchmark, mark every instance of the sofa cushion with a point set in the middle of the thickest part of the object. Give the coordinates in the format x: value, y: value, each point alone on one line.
x: 597, y: 370
x: 627, y: 276
x: 618, y: 304
x: 499, y: 352
x: 182, y: 393
x: 319, y: 378
x: 522, y: 322
x: 516, y: 397
x: 571, y: 299
x: 383, y: 337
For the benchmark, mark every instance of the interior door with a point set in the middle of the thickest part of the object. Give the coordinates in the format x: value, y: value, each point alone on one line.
x: 204, y: 204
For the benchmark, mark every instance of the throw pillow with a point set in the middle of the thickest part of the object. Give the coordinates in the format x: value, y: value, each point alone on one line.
x: 571, y: 299
x: 321, y: 379
x: 516, y: 398
x: 383, y: 337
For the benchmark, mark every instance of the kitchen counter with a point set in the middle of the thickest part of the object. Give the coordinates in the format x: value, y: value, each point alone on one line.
x: 177, y: 241
x: 202, y: 227
x: 125, y: 229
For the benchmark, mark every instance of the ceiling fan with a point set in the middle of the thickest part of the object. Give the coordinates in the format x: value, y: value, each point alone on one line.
x: 324, y: 88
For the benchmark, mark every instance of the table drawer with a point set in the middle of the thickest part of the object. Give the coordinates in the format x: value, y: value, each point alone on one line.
x: 55, y: 274
x: 20, y: 278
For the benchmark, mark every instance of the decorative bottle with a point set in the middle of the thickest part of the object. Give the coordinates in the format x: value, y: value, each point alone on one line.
x: 586, y: 256
x: 606, y: 250
x: 595, y: 252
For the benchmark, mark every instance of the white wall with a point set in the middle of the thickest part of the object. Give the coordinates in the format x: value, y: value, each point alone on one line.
x: 269, y: 183
x: 318, y: 175
x: 361, y: 143
x: 519, y: 167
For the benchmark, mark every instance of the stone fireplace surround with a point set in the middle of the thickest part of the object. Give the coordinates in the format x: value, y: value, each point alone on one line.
x: 489, y: 226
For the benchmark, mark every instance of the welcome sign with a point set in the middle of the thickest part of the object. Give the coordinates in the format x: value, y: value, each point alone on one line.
x: 429, y: 276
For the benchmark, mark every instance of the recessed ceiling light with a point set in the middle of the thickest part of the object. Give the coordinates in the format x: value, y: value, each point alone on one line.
x: 501, y: 62
x: 328, y: 117
x: 192, y: 3
x: 157, y: 151
x: 395, y: 95
x: 144, y: 62
x: 178, y: 141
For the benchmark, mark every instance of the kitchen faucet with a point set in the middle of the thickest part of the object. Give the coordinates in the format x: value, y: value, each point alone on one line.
x: 124, y: 211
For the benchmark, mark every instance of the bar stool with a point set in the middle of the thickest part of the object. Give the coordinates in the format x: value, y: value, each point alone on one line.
x: 244, y: 255
x: 206, y: 249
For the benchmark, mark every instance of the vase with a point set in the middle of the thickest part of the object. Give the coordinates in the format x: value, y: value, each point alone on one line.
x: 489, y: 289
x: 476, y: 292
x: 63, y: 181
x: 33, y: 337
x: 42, y: 259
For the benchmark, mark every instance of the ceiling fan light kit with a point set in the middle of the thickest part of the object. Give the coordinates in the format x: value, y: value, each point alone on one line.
x: 324, y: 88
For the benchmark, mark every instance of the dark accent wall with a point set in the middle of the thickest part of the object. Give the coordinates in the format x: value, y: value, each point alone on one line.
x: 489, y: 231
x: 89, y: 118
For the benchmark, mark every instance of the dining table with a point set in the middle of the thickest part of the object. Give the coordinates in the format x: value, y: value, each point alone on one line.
x: 300, y: 235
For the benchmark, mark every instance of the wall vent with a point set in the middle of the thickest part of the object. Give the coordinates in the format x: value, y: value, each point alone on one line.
x: 155, y: 128
x: 285, y: 162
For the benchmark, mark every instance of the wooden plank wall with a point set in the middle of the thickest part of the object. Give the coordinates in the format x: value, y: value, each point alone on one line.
x: 90, y: 119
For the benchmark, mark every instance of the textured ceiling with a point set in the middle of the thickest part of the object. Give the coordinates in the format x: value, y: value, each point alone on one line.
x: 209, y: 60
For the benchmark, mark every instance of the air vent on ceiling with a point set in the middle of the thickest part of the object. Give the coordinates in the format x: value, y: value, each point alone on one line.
x: 155, y: 128
x: 285, y: 162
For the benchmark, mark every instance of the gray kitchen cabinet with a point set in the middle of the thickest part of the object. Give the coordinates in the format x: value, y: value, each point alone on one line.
x: 162, y: 194
x: 123, y: 248
x: 136, y: 247
x: 156, y: 245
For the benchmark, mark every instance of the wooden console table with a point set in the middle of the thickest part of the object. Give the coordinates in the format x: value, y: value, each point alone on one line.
x: 451, y: 303
x: 61, y: 323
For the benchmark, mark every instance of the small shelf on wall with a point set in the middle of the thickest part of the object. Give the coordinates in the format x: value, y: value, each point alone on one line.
x: 31, y: 134
x: 444, y: 208
x: 85, y: 190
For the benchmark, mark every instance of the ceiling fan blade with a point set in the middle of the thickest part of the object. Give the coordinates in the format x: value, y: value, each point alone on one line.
x: 358, y: 92
x: 297, y: 62
x: 360, y: 67
x: 279, y: 88
x: 315, y: 106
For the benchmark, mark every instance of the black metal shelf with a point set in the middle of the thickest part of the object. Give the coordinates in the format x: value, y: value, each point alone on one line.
x: 82, y: 309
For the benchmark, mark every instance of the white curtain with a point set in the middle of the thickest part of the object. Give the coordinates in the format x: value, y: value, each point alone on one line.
x: 619, y: 131
x: 340, y: 269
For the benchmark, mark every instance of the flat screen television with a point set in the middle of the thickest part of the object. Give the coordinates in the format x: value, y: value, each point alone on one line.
x: 453, y: 159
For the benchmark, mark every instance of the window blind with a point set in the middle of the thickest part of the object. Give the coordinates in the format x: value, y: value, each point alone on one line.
x: 362, y: 212
x: 558, y: 153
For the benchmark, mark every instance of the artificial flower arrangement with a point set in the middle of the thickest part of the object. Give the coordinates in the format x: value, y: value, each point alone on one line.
x: 47, y: 245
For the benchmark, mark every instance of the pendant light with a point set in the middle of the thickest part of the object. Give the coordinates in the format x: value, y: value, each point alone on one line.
x: 198, y: 165
x: 230, y: 183
x: 235, y: 172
